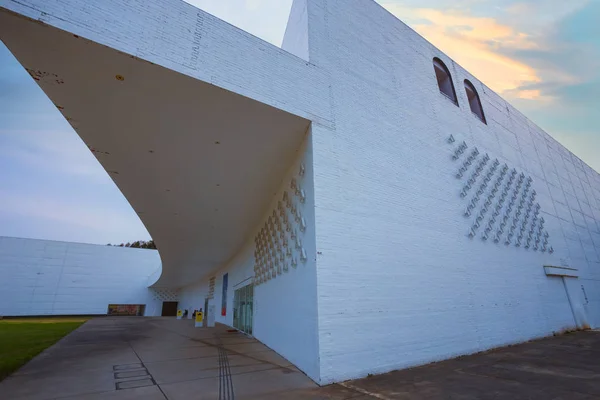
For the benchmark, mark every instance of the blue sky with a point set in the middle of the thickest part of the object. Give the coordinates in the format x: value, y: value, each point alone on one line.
x: 542, y: 56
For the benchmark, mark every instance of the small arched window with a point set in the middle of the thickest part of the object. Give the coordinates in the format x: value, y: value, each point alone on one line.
x: 474, y: 101
x: 444, y: 80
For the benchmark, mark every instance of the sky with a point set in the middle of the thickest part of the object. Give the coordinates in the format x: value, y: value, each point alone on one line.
x: 543, y: 56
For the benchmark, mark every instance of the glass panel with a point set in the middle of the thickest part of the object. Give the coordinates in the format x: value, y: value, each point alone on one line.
x: 236, y: 309
x: 245, y: 289
x: 239, y: 310
x: 250, y: 307
x: 243, y: 309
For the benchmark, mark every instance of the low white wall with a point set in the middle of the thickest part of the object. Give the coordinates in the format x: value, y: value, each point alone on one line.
x: 42, y: 277
x: 285, y: 308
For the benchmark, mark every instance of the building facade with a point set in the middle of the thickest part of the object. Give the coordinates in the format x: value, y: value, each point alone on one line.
x: 355, y: 199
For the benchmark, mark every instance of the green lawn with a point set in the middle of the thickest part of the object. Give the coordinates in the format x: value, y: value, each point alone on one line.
x: 23, y: 338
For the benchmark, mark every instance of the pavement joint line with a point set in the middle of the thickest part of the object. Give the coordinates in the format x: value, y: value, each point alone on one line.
x: 150, y: 375
x: 363, y: 391
x: 126, y: 367
x: 118, y: 385
x: 353, y: 395
x: 133, y: 378
x: 250, y: 352
x: 122, y: 371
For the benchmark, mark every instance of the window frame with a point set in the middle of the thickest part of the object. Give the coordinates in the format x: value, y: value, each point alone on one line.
x: 469, y: 86
x: 437, y: 62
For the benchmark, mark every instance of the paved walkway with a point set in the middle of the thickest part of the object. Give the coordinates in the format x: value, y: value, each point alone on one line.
x: 162, y: 358
x: 126, y: 358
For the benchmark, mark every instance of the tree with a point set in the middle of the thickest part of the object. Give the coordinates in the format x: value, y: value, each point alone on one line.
x: 138, y: 244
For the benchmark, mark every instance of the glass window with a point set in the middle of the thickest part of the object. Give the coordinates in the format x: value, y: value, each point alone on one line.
x: 243, y: 309
x: 236, y: 309
x: 474, y: 101
x: 444, y: 80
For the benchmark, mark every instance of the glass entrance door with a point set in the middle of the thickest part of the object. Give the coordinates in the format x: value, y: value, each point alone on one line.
x: 243, y: 301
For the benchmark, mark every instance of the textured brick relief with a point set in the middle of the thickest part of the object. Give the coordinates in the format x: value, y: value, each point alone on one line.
x: 164, y: 294
x: 500, y: 201
x: 279, y: 243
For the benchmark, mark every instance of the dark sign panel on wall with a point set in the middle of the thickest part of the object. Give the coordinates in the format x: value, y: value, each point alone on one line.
x: 224, y: 296
x: 211, y: 288
x: 126, y: 309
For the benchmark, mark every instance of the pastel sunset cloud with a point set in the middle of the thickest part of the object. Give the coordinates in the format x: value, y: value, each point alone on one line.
x: 474, y: 42
x: 542, y: 56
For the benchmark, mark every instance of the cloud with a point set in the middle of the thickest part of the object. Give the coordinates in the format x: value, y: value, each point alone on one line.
x: 568, y: 62
x: 474, y: 42
x: 254, y: 4
x: 543, y: 56
x: 533, y: 14
x: 529, y: 94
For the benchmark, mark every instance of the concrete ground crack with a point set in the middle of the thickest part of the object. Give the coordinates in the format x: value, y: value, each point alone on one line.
x: 363, y: 391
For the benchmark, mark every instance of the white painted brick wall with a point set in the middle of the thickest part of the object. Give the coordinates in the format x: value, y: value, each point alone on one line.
x: 399, y: 281
x: 295, y: 39
x: 43, y: 277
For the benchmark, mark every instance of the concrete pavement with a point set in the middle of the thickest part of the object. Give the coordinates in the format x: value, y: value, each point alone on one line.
x: 562, y: 367
x: 127, y: 358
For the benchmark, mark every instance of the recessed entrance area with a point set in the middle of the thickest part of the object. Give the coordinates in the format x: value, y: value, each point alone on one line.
x: 243, y: 306
x: 169, y: 309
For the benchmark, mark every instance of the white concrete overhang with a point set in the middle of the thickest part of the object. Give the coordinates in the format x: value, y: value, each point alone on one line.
x: 198, y: 163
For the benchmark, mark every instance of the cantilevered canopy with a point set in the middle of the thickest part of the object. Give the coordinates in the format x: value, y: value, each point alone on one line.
x: 199, y: 164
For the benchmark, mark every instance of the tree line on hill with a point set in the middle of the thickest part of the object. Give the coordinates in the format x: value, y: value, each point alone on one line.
x: 140, y: 244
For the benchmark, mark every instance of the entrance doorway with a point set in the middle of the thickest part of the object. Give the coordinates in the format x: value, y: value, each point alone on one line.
x: 243, y: 306
x: 578, y: 301
x: 169, y: 309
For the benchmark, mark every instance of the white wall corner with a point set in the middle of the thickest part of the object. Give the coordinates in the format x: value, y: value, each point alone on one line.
x: 295, y: 40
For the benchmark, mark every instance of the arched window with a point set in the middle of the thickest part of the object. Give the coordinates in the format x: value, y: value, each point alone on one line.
x: 444, y: 80
x: 474, y: 101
